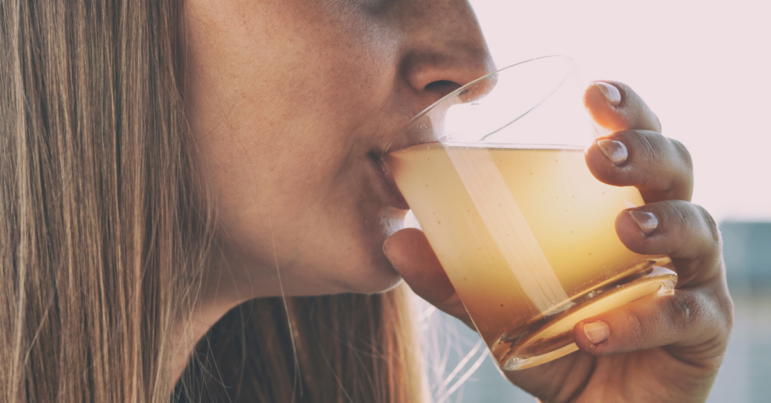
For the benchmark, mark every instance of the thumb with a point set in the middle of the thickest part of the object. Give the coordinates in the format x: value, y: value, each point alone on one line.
x: 411, y: 256
x: 682, y: 320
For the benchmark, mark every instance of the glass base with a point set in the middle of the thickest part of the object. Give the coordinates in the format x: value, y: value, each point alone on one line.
x: 554, y: 338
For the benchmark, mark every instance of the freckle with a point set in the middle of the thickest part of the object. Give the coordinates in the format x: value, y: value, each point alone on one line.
x: 464, y: 278
x: 439, y: 222
x: 480, y: 248
x: 501, y: 304
x: 572, y: 232
x: 603, y: 192
x: 426, y: 184
x: 590, y: 253
x: 573, y: 196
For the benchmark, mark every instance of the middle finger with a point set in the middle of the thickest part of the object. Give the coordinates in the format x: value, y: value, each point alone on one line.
x: 660, y: 167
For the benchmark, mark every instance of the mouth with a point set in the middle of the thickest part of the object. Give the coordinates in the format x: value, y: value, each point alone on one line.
x: 385, y: 185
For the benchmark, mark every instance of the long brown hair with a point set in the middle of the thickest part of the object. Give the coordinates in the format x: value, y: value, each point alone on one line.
x: 349, y: 348
x: 105, y: 230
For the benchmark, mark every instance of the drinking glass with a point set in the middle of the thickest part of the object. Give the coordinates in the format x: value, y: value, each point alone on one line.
x: 495, y: 175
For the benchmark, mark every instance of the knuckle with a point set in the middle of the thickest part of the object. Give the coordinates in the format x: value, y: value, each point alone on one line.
x: 636, y: 327
x: 721, y: 306
x: 682, y: 152
x: 727, y: 306
x: 648, y: 147
x: 696, y: 231
x: 642, y: 145
x: 679, y: 217
x: 683, y: 311
x: 709, y: 223
x: 725, y: 311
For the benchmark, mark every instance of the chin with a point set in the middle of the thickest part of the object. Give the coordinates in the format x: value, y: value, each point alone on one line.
x: 373, y: 276
x: 369, y: 273
x: 360, y: 266
x: 380, y: 280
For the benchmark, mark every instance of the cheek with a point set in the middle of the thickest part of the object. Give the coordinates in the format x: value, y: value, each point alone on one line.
x: 284, y: 122
x: 280, y: 97
x: 297, y: 181
x: 298, y: 154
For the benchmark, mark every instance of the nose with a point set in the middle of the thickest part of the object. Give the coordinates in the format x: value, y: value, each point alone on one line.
x: 443, y: 48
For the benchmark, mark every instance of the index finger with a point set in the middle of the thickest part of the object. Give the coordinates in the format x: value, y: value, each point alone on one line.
x: 615, y: 107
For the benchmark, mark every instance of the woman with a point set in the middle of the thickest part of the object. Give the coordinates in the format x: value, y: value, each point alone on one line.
x: 162, y: 165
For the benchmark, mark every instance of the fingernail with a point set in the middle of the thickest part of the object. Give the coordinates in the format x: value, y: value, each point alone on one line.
x: 612, y: 94
x: 597, y: 332
x: 614, y: 150
x: 645, y: 220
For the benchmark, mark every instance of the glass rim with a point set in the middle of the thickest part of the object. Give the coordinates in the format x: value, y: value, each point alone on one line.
x: 463, y: 88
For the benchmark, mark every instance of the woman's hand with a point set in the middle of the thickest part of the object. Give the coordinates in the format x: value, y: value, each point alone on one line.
x: 661, y: 348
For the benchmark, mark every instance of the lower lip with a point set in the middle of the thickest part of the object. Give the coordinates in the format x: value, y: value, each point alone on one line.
x: 386, y: 185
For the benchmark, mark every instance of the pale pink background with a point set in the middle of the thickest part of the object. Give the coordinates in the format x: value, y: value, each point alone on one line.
x: 703, y: 66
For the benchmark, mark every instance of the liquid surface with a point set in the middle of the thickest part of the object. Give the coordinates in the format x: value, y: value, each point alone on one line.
x: 519, y: 232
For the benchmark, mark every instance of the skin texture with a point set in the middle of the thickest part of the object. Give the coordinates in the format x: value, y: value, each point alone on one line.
x: 293, y: 102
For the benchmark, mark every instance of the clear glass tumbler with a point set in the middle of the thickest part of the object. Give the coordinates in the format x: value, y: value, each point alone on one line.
x: 495, y: 174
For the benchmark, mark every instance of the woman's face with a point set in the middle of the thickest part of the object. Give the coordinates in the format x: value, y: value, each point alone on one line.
x: 293, y: 102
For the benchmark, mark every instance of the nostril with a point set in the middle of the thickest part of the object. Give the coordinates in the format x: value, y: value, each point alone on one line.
x: 441, y: 87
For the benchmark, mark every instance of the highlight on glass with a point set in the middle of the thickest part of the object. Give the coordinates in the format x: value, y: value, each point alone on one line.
x: 495, y: 174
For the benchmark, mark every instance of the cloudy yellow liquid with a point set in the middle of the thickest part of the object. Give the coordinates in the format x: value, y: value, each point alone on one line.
x: 524, y: 235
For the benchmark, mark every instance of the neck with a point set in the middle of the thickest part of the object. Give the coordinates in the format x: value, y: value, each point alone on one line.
x: 223, y: 288
x: 219, y: 295
x: 190, y: 329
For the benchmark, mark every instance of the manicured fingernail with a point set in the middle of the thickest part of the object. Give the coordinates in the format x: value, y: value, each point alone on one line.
x: 614, y: 150
x: 597, y: 332
x: 612, y: 94
x: 647, y: 221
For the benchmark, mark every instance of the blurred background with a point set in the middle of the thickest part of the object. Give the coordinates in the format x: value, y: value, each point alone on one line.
x: 704, y: 67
